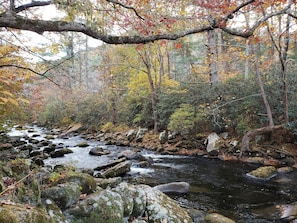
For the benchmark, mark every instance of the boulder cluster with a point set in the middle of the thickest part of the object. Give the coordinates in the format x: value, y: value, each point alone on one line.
x: 30, y: 191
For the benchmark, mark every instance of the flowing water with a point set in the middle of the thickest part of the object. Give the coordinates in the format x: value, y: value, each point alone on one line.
x: 215, y: 186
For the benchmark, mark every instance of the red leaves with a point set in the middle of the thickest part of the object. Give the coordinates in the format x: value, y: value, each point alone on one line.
x: 178, y: 45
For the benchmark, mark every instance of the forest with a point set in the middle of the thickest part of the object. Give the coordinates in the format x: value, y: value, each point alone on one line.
x: 200, y: 66
x: 108, y: 106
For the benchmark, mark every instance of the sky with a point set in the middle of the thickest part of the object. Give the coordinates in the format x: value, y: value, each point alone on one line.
x: 30, y: 41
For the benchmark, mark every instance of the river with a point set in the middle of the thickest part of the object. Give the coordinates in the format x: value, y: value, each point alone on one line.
x: 215, y: 185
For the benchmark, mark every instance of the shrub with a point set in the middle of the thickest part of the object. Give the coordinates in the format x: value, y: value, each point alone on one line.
x: 183, y: 119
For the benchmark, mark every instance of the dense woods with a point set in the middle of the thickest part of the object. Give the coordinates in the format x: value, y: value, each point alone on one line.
x: 189, y: 66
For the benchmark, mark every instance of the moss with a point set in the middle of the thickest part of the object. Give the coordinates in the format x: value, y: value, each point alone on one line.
x: 17, y: 213
x: 19, y: 167
x: 7, y: 217
x: 265, y: 172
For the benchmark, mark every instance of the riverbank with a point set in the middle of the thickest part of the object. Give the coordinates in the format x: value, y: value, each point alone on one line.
x: 278, y: 148
x: 206, y: 188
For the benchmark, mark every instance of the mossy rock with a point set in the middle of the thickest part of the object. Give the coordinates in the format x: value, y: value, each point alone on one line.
x: 63, y: 195
x: 17, y: 213
x: 160, y: 207
x: 101, y: 207
x: 109, y: 182
x: 127, y: 193
x: 85, y: 181
x: 217, y: 218
x: 82, y: 144
x: 263, y: 173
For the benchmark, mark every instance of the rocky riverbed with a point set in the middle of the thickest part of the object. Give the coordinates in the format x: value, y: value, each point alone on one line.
x: 74, y: 193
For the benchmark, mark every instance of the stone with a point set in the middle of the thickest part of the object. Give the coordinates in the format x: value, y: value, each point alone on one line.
x: 109, y: 182
x: 98, y: 151
x: 82, y: 144
x: 127, y: 193
x: 285, y: 169
x: 212, y: 141
x: 131, y: 155
x: 60, y: 153
x: 256, y: 160
x: 117, y: 170
x: 224, y: 135
x: 217, y: 218
x: 162, y: 137
x: 101, y: 207
x: 63, y: 195
x: 74, y: 128
x: 110, y: 164
x: 161, y: 208
x: 131, y: 135
x: 14, y: 213
x: 86, y: 182
x: 264, y: 173
x: 288, y: 212
x: 174, y: 187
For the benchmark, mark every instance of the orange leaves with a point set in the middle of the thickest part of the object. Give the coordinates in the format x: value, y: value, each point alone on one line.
x: 11, y: 79
x: 178, y: 45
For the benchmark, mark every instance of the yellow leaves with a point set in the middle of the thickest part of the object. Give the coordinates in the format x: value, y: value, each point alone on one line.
x: 11, y: 79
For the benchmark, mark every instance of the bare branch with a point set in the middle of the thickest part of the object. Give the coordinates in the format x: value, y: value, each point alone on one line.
x: 31, y: 70
x: 249, y: 32
x: 31, y: 5
x: 237, y: 9
x: 35, y: 72
x: 126, y: 6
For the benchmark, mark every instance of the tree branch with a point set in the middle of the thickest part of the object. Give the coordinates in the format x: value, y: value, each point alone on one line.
x: 126, y: 7
x: 35, y: 72
x: 31, y: 70
x: 230, y: 15
x: 10, y: 19
x: 31, y: 5
x: 249, y: 32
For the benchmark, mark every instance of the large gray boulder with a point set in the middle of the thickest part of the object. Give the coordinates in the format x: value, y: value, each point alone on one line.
x: 217, y: 218
x: 86, y: 182
x: 101, y: 207
x: 212, y: 142
x: 161, y: 208
x: 63, y: 195
x: 174, y: 187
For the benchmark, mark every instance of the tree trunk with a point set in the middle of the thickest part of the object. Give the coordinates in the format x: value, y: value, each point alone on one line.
x: 284, y: 58
x: 147, y: 62
x: 212, y: 52
x: 252, y: 133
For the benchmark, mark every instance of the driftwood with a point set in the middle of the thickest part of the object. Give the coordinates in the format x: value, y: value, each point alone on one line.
x: 250, y: 135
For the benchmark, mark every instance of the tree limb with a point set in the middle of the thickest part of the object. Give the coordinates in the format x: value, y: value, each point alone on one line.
x: 31, y: 70
x: 10, y: 19
x: 31, y: 5
x: 35, y: 72
x: 126, y: 6
x: 249, y: 32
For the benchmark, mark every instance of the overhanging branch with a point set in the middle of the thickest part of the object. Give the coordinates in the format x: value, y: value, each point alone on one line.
x: 127, y: 7
x: 31, y: 70
x: 35, y: 72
